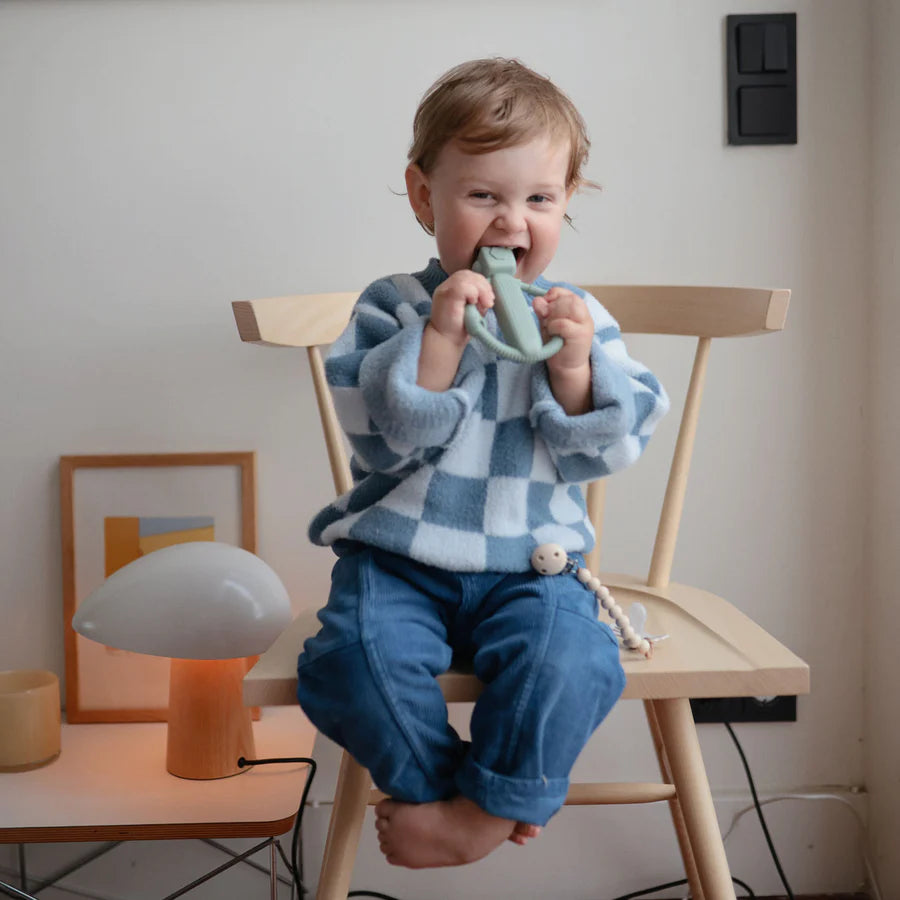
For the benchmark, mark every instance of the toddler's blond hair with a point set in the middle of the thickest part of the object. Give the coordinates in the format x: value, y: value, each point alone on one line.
x: 488, y: 104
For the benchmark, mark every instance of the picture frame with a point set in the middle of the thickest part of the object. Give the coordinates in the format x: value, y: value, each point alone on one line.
x: 117, y: 507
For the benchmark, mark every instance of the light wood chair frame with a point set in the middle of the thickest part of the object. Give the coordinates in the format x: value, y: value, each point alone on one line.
x: 714, y: 649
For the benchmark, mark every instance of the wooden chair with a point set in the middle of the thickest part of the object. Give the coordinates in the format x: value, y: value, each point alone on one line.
x: 714, y: 649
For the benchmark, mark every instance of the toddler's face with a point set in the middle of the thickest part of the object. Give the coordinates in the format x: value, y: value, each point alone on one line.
x: 513, y: 197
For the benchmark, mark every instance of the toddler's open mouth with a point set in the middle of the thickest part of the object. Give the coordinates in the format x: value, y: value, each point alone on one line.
x: 518, y: 252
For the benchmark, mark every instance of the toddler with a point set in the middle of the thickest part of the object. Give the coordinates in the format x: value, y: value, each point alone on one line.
x: 463, y: 463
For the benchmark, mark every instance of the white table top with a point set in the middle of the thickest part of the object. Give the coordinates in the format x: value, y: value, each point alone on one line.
x: 110, y: 783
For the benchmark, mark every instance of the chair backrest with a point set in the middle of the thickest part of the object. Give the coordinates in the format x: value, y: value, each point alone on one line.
x: 314, y: 320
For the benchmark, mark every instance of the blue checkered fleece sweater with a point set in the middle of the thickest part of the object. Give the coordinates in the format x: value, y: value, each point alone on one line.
x: 472, y: 479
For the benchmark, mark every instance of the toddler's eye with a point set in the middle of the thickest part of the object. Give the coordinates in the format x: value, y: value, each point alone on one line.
x: 481, y: 195
x: 539, y: 198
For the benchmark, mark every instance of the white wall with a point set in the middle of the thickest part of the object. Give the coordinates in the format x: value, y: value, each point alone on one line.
x: 161, y: 159
x: 882, y: 727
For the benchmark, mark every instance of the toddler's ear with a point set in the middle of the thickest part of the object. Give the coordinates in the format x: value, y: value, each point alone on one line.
x: 418, y: 190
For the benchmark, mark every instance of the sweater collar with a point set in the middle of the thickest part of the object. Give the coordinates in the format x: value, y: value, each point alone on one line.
x: 431, y: 276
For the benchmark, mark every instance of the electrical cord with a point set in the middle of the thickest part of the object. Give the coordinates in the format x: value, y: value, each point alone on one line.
x: 757, y: 806
x: 296, y: 866
x: 682, y: 881
x: 759, y: 812
x: 371, y: 894
x: 632, y: 896
x: 861, y: 825
x: 762, y: 821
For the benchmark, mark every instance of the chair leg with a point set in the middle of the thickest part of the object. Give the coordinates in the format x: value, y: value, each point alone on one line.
x: 679, y: 737
x: 350, y: 799
x: 684, y: 844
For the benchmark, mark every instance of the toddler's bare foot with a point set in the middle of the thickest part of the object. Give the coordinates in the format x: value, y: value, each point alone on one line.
x: 445, y: 833
x: 523, y: 832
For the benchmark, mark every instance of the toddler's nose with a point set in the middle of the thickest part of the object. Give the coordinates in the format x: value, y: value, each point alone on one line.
x: 510, y: 219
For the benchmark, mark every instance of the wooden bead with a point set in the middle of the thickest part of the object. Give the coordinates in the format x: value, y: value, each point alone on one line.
x: 629, y: 637
x: 549, y: 559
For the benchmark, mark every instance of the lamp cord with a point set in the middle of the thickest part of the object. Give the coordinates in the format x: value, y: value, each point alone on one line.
x: 296, y: 866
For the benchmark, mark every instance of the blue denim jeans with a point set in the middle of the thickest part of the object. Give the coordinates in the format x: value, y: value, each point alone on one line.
x: 551, y: 672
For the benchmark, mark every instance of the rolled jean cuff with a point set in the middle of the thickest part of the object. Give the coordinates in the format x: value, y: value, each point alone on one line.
x: 530, y: 800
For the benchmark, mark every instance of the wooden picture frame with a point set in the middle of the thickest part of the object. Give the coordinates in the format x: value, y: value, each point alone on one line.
x: 114, y: 508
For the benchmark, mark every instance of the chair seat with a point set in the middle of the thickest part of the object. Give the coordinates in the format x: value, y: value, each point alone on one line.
x: 713, y: 650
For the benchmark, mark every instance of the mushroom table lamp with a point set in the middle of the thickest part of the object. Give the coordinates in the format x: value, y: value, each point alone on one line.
x: 207, y: 606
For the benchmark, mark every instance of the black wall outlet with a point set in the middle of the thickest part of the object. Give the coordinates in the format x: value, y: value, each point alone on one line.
x: 744, y: 709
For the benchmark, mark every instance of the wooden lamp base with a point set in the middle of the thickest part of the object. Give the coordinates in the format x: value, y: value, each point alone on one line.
x: 209, y: 726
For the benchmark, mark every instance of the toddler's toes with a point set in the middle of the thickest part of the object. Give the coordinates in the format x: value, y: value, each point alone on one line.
x: 523, y: 832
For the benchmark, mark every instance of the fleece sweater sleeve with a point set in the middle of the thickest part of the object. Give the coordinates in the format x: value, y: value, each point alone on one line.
x: 372, y: 368
x: 628, y: 402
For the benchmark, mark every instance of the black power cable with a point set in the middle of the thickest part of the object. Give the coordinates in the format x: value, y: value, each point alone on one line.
x: 371, y: 894
x: 670, y: 884
x: 296, y: 866
x: 762, y: 822
x: 759, y: 812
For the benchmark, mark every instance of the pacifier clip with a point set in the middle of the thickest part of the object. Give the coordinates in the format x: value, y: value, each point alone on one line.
x: 551, y: 559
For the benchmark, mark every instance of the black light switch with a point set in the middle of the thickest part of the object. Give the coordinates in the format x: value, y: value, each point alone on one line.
x: 762, y: 79
x: 775, y: 48
x: 750, y: 39
x: 764, y: 111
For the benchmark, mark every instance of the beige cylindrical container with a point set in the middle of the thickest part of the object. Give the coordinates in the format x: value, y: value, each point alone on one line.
x: 29, y: 719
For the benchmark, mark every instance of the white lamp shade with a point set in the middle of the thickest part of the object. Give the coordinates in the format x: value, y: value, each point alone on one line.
x: 200, y: 600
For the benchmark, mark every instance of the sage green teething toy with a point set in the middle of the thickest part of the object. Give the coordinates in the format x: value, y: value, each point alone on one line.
x: 514, y: 315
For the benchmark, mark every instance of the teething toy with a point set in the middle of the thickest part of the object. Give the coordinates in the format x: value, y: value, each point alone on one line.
x: 516, y: 320
x: 551, y: 559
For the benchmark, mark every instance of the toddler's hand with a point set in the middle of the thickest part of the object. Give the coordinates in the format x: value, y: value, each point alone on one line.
x: 448, y: 304
x: 566, y: 314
